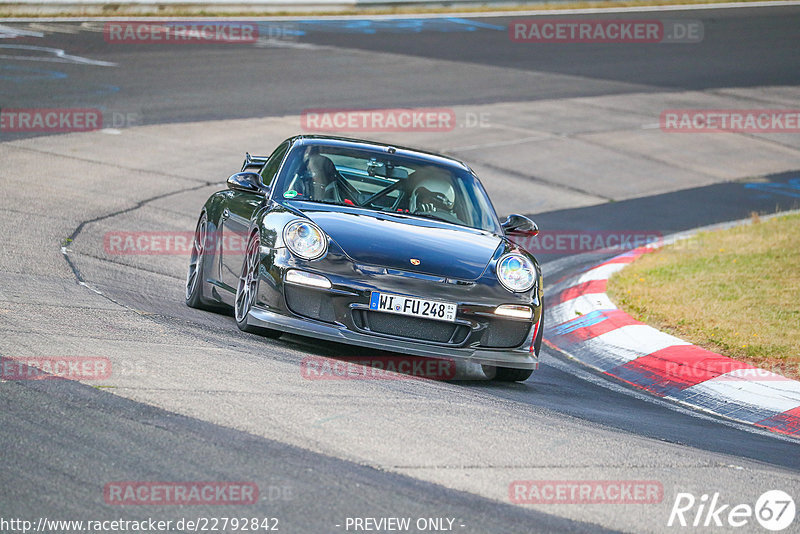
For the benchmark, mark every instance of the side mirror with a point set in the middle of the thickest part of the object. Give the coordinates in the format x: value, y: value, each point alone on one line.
x: 245, y: 181
x: 520, y: 224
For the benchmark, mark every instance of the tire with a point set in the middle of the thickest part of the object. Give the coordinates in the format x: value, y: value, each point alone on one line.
x: 194, y: 276
x: 505, y: 374
x: 247, y: 289
x: 537, y: 343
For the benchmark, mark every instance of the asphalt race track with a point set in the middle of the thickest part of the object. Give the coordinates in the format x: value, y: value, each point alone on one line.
x: 566, y: 133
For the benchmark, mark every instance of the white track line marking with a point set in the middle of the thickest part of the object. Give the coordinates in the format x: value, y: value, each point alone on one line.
x: 57, y: 55
x: 7, y: 32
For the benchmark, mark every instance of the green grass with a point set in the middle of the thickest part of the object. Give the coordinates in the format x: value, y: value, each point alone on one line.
x: 736, y: 292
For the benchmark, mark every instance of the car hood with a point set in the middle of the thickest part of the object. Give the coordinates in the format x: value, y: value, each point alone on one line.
x: 392, y: 241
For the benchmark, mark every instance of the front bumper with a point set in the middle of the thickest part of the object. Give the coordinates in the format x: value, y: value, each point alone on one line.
x: 341, y: 313
x: 520, y: 358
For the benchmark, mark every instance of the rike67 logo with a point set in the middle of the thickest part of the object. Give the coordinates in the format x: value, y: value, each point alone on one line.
x: 774, y: 510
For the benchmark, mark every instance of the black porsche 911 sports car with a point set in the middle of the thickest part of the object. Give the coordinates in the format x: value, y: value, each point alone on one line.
x: 373, y: 245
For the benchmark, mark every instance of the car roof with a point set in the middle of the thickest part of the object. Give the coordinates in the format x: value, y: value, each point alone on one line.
x: 330, y: 140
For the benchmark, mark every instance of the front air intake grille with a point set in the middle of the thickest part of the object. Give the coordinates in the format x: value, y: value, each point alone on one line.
x: 411, y: 327
x: 311, y: 303
x: 503, y: 333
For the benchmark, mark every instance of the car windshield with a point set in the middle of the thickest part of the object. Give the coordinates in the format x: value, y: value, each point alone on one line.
x: 378, y: 181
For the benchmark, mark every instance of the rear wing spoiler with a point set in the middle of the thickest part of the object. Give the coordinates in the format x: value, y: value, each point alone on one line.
x: 253, y: 163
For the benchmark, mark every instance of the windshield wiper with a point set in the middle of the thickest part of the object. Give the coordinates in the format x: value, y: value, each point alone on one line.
x: 317, y: 201
x: 428, y: 215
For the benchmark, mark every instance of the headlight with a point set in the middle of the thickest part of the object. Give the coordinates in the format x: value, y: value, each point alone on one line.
x: 305, y: 239
x: 516, y: 272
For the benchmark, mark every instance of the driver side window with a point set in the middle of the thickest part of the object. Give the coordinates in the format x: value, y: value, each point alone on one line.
x: 273, y: 164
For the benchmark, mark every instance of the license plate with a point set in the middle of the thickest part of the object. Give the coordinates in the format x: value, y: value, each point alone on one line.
x: 428, y: 309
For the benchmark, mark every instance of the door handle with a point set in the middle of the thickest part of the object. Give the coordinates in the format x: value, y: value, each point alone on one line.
x: 226, y: 213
